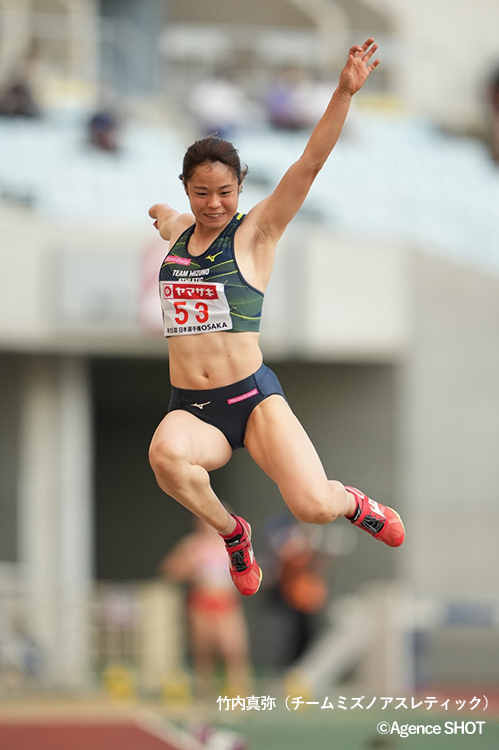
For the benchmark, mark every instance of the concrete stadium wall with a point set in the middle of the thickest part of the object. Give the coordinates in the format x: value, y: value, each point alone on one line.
x: 10, y: 405
x: 450, y: 429
x: 75, y: 288
x: 449, y: 88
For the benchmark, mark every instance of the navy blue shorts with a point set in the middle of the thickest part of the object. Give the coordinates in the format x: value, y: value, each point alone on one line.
x: 228, y: 408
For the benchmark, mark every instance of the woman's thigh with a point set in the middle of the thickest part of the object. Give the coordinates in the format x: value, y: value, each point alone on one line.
x: 279, y: 444
x: 202, y: 636
x: 232, y: 635
x: 182, y: 437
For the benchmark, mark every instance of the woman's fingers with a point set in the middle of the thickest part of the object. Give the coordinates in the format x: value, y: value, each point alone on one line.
x: 365, y: 52
x: 370, y: 52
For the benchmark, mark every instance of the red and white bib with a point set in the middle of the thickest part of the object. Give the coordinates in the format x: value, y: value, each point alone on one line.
x: 194, y: 307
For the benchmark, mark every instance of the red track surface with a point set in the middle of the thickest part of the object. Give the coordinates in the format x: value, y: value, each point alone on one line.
x: 82, y: 736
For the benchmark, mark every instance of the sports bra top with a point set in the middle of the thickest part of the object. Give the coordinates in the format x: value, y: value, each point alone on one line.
x: 207, y: 292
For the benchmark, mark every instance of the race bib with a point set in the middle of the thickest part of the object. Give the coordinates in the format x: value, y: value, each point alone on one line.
x: 194, y: 308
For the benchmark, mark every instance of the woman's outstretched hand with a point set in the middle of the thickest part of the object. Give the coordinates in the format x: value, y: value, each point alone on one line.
x: 358, y: 67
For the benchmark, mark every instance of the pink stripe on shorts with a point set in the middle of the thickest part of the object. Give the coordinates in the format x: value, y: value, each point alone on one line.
x: 242, y: 397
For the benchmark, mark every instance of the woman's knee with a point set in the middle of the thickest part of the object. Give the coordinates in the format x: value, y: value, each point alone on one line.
x: 167, y: 460
x: 318, y: 507
x: 315, y: 512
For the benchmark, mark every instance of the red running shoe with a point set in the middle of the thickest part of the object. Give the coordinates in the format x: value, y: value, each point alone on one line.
x: 243, y: 567
x: 381, y: 522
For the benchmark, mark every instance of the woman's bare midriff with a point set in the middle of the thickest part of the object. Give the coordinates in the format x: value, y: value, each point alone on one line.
x: 213, y: 360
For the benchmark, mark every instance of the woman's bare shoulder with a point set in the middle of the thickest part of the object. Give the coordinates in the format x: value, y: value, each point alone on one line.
x: 181, y: 223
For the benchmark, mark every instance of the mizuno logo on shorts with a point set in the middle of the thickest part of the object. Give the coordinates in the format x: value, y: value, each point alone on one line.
x: 201, y: 406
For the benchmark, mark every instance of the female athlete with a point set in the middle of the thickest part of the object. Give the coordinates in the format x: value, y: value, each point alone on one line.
x: 212, y: 284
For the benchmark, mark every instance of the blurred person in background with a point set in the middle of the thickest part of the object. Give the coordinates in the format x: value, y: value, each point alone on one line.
x: 296, y: 593
x: 283, y: 103
x: 212, y: 284
x: 103, y: 131
x: 103, y: 127
x: 17, y: 98
x: 493, y: 102
x: 219, y: 105
x: 217, y: 627
x: 313, y: 97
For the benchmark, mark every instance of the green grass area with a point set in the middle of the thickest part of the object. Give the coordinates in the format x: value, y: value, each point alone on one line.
x: 312, y: 730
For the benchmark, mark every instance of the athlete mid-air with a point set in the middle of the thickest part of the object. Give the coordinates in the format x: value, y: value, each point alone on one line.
x: 212, y: 285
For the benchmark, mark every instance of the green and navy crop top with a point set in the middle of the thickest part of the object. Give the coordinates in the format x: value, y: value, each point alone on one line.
x: 207, y: 293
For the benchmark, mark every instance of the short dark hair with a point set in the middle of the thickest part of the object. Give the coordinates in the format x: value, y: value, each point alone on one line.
x: 212, y: 149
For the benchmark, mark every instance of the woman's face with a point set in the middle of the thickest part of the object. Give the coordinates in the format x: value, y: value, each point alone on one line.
x: 213, y: 193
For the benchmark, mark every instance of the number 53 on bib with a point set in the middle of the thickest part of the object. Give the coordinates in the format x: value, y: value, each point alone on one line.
x: 194, y: 308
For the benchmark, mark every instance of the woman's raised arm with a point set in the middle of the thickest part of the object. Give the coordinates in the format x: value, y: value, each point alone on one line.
x: 274, y: 213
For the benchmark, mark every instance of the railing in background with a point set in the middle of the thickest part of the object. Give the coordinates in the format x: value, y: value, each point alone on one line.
x: 136, y: 638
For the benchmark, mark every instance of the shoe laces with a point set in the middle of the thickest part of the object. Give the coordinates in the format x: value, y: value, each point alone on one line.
x: 240, y: 560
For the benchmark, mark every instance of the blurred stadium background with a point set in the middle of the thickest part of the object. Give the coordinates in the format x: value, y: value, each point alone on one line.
x: 393, y: 370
